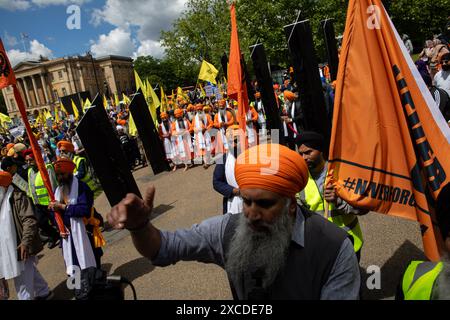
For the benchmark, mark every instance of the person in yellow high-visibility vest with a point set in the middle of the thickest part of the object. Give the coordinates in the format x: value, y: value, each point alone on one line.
x: 311, y: 146
x: 429, y: 280
x: 40, y: 198
x: 82, y: 171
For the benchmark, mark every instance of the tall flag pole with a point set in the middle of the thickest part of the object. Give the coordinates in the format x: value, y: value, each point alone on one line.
x: 237, y: 86
x: 403, y: 164
x: 8, y: 78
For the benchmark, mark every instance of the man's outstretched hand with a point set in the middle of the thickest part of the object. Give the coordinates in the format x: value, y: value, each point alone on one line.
x: 132, y: 212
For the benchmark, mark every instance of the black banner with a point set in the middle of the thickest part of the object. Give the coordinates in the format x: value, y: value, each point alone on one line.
x: 331, y: 47
x: 104, y: 151
x: 307, y: 77
x: 264, y: 79
x: 78, y: 99
x: 154, y: 149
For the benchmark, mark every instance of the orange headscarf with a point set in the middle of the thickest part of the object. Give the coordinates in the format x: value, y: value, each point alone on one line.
x: 178, y: 113
x: 64, y: 166
x: 272, y: 167
x: 66, y: 146
x: 5, y: 179
x: 289, y: 95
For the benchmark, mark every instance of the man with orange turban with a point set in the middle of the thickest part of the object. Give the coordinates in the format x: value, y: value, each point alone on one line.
x: 201, y: 125
x: 259, y: 107
x: 291, y: 116
x: 20, y: 242
x: 75, y: 201
x: 165, y: 130
x: 275, y: 249
x: 222, y: 120
x: 181, y: 131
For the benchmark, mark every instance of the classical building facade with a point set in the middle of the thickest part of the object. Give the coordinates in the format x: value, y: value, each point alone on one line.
x: 42, y: 83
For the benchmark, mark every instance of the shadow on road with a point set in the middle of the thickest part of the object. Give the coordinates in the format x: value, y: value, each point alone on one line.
x: 134, y: 269
x: 391, y: 272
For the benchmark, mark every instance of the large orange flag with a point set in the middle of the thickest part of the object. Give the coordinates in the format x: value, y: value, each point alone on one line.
x: 8, y: 78
x: 237, y: 87
x: 390, y: 144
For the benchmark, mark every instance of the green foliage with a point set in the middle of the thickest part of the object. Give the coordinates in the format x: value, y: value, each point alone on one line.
x: 203, y: 32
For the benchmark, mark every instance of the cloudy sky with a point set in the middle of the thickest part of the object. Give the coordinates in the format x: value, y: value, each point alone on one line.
x: 30, y: 28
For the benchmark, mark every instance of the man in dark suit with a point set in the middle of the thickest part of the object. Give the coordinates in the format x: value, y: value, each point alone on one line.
x: 291, y: 116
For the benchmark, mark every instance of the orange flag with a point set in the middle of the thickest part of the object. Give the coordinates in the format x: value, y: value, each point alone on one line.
x: 390, y: 144
x: 237, y: 87
x: 8, y: 78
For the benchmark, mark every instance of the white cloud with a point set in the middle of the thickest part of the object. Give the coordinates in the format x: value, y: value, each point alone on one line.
x: 37, y: 49
x: 149, y: 48
x: 14, y: 5
x: 117, y: 42
x: 149, y: 16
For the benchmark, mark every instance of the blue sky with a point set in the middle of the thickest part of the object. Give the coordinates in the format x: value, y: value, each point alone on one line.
x: 123, y: 27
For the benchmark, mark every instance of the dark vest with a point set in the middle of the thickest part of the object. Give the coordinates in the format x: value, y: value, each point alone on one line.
x: 307, y: 268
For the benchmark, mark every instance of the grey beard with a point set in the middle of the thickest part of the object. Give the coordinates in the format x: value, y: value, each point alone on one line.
x: 266, y: 251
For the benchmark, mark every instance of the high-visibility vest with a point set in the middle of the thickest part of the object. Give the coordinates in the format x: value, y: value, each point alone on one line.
x: 348, y: 222
x: 88, y: 179
x: 419, y: 279
x: 41, y: 192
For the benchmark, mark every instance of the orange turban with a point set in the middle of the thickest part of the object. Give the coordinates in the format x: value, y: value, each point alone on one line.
x: 190, y: 108
x: 65, y: 146
x: 222, y: 103
x: 64, y: 166
x: 5, y: 179
x: 178, y: 113
x: 258, y: 95
x: 272, y: 167
x: 164, y: 115
x: 289, y: 95
x: 9, y: 146
x: 207, y: 109
x: 199, y: 107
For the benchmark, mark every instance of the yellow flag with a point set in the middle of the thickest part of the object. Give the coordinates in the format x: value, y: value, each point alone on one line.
x: 203, y: 93
x: 87, y: 104
x: 116, y: 99
x: 132, y: 130
x: 139, y: 83
x: 152, y: 101
x: 48, y: 115
x: 63, y: 108
x: 208, y: 72
x: 105, y: 102
x: 163, y: 100
x: 4, y: 119
x: 126, y: 100
x: 75, y: 110
x: 57, y: 119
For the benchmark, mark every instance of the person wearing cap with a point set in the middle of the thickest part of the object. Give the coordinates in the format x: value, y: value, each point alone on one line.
x: 224, y: 181
x: 181, y: 131
x: 259, y: 107
x: 75, y: 201
x: 274, y: 249
x: 291, y: 116
x: 222, y: 120
x: 41, y: 199
x: 430, y: 280
x: 252, y: 119
x: 83, y: 170
x: 20, y: 242
x: 201, y: 125
x: 317, y: 193
x: 165, y: 130
x: 190, y: 114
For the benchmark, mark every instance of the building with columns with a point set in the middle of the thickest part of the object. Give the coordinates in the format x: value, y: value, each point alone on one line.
x: 42, y: 83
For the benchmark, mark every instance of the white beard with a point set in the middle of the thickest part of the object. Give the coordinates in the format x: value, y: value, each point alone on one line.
x: 251, y: 250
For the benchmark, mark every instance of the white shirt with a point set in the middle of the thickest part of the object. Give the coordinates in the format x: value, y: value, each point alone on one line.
x: 442, y: 80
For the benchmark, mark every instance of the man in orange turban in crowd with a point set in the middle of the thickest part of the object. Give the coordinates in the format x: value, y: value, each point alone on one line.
x: 165, y: 134
x: 291, y: 116
x: 181, y: 131
x: 75, y: 201
x: 20, y: 242
x: 222, y: 120
x: 274, y: 249
x: 201, y: 126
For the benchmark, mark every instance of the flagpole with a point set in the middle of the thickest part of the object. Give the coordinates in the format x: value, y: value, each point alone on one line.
x: 39, y: 161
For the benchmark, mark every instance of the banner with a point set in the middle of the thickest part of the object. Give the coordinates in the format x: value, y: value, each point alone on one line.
x: 389, y: 149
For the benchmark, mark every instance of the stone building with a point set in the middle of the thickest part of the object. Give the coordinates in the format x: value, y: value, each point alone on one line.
x: 42, y: 83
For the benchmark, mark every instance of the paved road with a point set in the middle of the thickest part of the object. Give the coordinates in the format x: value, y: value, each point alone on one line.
x: 185, y: 198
